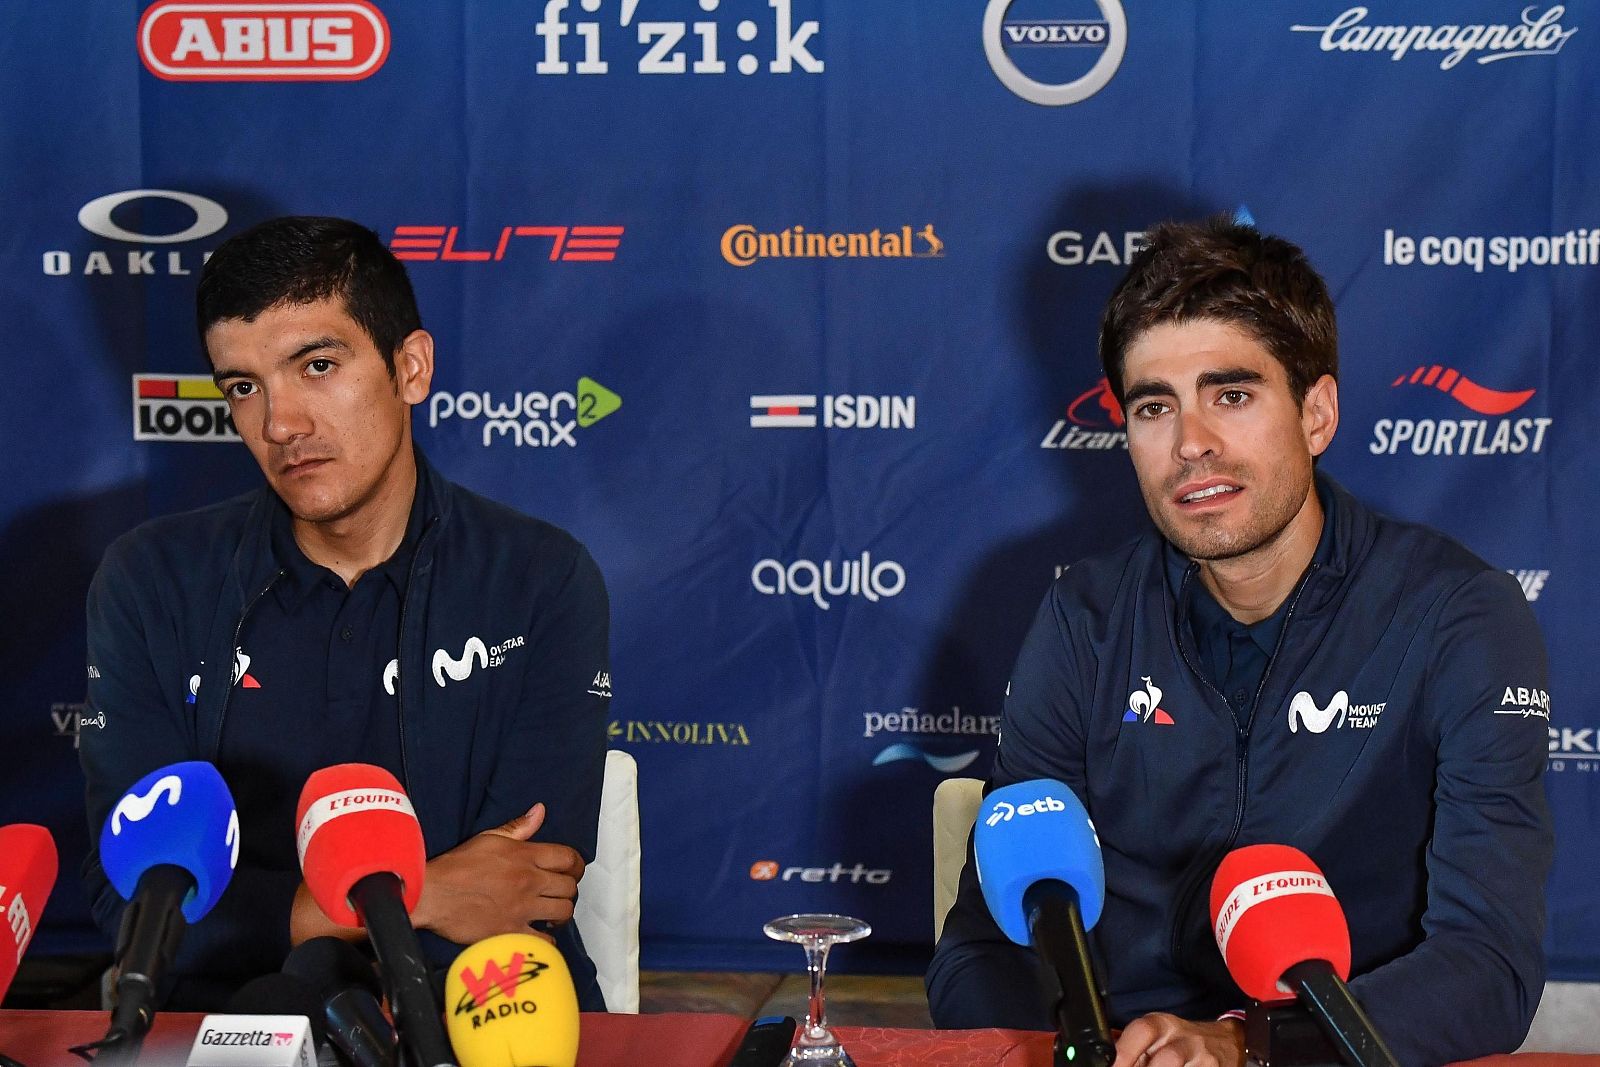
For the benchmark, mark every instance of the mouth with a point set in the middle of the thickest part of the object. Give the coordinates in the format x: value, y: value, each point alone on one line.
x: 302, y: 467
x: 1210, y: 492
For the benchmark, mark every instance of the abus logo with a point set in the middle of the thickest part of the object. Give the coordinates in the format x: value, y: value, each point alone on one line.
x: 1002, y: 37
x: 1542, y: 36
x: 743, y: 245
x: 532, y: 419
x: 853, y: 577
x: 197, y: 216
x: 767, y: 871
x: 568, y: 244
x: 180, y: 407
x: 1461, y: 437
x: 1005, y: 811
x: 254, y: 40
x: 1094, y: 422
x: 842, y: 412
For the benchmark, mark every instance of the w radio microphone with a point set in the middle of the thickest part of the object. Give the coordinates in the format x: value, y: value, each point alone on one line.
x: 1282, y: 933
x: 510, y: 1002
x: 363, y: 859
x: 1040, y: 870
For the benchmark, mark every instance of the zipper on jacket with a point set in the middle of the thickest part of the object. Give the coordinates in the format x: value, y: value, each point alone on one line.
x: 238, y: 628
x: 1241, y: 753
x: 400, y: 681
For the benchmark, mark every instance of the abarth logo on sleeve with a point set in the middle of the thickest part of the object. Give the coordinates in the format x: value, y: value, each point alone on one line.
x: 1144, y: 705
x: 601, y: 686
x: 1526, y: 702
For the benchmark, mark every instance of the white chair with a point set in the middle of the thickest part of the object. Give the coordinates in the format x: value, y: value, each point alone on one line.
x: 607, y: 912
x: 955, y: 808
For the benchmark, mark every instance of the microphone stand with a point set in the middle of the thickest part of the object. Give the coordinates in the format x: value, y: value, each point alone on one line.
x: 379, y: 900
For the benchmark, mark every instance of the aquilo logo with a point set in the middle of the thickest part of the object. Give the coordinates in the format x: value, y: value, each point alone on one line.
x: 527, y: 419
x: 1533, y: 36
x: 1144, y: 705
x: 496, y: 981
x: 180, y: 407
x: 129, y: 216
x: 1466, y: 436
x: 840, y: 412
x: 263, y: 40
x: 567, y: 244
x: 857, y: 874
x: 1094, y: 422
x: 1575, y: 748
x: 1006, y: 39
x: 743, y: 245
x: 853, y: 577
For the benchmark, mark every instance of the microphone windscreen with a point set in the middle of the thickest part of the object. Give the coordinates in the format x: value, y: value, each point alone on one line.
x: 509, y: 1002
x: 1271, y: 908
x: 354, y: 819
x: 329, y: 965
x: 280, y: 994
x: 183, y: 815
x: 28, y: 869
x: 1032, y: 832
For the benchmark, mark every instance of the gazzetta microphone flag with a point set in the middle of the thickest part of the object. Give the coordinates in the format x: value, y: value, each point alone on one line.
x: 27, y: 874
x: 509, y: 1002
x: 1271, y: 908
x: 354, y: 819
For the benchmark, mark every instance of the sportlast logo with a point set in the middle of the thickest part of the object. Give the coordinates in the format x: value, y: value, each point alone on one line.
x: 1461, y: 437
x: 532, y: 419
x: 491, y: 993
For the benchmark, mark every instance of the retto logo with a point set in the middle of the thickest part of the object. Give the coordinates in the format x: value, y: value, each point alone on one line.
x: 852, y: 578
x: 1004, y: 37
x: 292, y: 40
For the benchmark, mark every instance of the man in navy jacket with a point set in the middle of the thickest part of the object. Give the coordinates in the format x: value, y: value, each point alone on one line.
x: 357, y: 608
x: 1279, y: 665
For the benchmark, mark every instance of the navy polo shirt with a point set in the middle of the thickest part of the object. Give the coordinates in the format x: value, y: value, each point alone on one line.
x: 1234, y: 655
x: 311, y: 690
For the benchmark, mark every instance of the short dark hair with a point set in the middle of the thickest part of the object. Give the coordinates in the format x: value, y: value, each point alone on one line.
x: 300, y: 259
x: 1223, y: 270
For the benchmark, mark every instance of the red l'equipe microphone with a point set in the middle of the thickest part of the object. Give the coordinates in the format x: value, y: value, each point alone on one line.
x: 362, y: 856
x: 1282, y: 933
x: 27, y: 873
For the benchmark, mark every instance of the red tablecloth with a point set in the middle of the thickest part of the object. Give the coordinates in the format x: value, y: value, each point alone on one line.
x: 41, y: 1038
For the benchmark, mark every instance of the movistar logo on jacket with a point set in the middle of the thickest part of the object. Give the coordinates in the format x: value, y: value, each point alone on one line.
x: 1339, y: 713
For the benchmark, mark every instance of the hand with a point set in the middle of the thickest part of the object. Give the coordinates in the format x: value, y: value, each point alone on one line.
x: 1160, y: 1040
x: 499, y: 881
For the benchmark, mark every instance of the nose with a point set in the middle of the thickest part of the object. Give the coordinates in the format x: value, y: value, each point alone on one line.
x: 1196, y: 438
x: 287, y: 418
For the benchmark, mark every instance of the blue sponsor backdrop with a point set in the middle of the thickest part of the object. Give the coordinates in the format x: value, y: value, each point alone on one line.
x: 843, y: 272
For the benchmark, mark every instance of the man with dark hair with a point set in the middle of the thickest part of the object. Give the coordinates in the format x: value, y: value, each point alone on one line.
x: 357, y: 608
x: 1278, y: 665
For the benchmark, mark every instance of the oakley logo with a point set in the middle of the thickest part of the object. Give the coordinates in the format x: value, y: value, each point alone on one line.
x: 1303, y: 709
x: 1465, y: 391
x: 209, y: 217
x: 136, y: 808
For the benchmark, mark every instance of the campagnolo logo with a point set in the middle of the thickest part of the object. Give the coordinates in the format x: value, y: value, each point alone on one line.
x: 1534, y: 35
x: 1004, y: 37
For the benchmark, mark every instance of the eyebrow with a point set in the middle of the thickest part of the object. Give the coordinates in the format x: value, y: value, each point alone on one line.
x: 314, y: 345
x: 1211, y: 379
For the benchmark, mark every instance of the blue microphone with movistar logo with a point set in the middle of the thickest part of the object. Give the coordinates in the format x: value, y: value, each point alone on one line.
x: 1040, y: 870
x: 169, y: 848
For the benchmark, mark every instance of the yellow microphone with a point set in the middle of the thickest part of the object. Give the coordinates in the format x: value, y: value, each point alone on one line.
x: 510, y: 1003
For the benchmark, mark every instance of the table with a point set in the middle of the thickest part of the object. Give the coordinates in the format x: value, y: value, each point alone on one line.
x: 41, y: 1038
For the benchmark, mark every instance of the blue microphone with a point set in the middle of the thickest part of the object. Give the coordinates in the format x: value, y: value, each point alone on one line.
x: 169, y: 848
x: 1042, y: 877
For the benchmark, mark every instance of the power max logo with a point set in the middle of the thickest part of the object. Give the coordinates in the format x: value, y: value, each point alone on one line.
x: 256, y: 40
x: 1461, y: 436
x: 180, y: 407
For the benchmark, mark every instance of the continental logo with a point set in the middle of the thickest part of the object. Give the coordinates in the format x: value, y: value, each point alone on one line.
x: 293, y: 40
x: 743, y: 245
x: 180, y: 407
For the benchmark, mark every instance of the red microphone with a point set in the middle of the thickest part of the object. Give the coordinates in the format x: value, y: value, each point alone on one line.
x: 1282, y: 934
x: 362, y: 855
x: 27, y: 873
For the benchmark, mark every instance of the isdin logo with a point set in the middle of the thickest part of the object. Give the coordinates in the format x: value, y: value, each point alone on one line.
x: 1303, y: 710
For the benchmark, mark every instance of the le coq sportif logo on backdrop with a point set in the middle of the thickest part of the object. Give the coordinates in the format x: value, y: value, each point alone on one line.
x: 1006, y: 39
x: 850, y: 578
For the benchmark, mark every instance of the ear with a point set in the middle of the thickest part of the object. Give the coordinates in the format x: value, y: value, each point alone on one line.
x: 413, y: 367
x: 1319, y: 414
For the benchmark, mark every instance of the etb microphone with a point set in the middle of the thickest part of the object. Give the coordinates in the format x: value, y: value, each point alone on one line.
x: 1042, y: 877
x: 28, y: 870
x: 363, y: 859
x: 169, y: 848
x: 1282, y: 934
x: 509, y: 1002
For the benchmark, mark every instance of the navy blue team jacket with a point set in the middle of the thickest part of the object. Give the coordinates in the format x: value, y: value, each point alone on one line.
x: 525, y: 724
x: 1398, y: 737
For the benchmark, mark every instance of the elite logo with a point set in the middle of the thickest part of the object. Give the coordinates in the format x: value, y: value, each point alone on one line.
x: 568, y: 244
x: 1144, y: 705
x: 1002, y: 36
x: 1468, y: 392
x: 262, y: 40
x: 1094, y: 422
